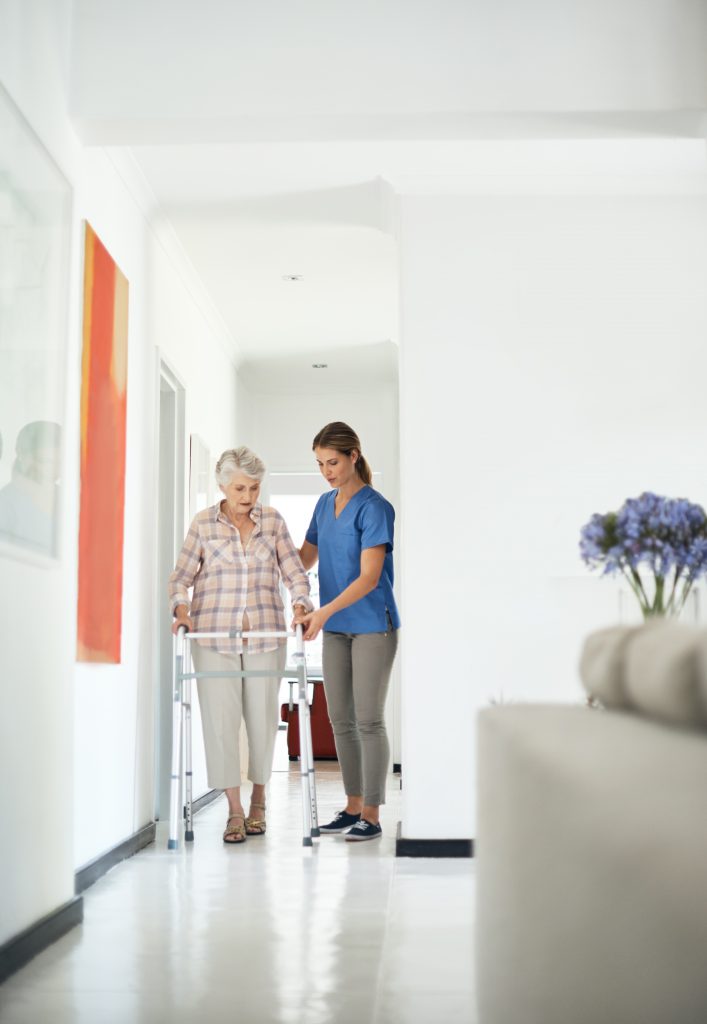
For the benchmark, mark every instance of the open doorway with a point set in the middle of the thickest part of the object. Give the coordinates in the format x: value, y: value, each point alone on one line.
x: 171, y: 452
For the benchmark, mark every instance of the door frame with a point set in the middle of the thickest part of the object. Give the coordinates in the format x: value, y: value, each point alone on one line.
x: 170, y: 459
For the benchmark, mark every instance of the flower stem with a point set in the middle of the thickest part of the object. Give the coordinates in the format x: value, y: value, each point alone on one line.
x: 670, y: 605
x: 637, y: 589
x: 686, y: 588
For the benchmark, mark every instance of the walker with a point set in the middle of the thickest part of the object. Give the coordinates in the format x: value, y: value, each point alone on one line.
x: 181, y: 776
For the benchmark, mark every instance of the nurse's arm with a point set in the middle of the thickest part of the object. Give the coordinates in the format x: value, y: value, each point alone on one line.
x: 372, y: 560
x: 371, y: 568
x: 309, y: 553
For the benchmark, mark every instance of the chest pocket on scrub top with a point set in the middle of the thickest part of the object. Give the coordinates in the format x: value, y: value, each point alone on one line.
x: 347, y: 555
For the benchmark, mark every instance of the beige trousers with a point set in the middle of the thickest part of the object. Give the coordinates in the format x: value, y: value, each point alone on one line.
x: 226, y: 702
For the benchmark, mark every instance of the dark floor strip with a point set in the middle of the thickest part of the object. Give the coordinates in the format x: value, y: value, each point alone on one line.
x: 433, y: 847
x: 23, y: 947
x: 96, y: 868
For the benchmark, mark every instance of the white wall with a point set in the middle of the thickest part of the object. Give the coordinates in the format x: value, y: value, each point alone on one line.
x: 37, y: 604
x: 78, y: 740
x: 552, y: 364
x: 282, y: 427
x: 115, y: 704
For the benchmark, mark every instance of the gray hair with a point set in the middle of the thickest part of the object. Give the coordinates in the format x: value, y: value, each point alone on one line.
x: 239, y: 460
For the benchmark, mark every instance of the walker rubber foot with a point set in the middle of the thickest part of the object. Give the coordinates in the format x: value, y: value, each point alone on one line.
x: 316, y: 833
x: 188, y: 837
x: 171, y: 844
x: 307, y: 841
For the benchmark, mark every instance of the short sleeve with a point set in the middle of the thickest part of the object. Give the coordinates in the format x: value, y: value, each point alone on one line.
x: 376, y: 524
x: 312, y: 534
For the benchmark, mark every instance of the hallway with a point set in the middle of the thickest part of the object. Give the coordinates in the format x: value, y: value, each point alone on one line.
x: 268, y: 934
x: 477, y: 234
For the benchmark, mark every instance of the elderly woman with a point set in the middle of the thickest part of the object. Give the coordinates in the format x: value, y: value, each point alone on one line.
x: 234, y: 556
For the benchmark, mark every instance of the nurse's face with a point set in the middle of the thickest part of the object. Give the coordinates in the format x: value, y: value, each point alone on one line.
x: 338, y: 469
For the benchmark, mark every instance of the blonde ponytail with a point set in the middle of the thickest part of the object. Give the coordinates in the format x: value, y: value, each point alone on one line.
x: 364, y: 470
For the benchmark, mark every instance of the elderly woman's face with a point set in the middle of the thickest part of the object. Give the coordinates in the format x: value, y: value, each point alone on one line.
x: 241, y: 493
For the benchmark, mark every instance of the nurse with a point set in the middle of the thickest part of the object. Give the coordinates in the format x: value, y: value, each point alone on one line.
x: 351, y: 534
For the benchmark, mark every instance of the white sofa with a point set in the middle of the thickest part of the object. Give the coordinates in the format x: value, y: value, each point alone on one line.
x: 592, y: 868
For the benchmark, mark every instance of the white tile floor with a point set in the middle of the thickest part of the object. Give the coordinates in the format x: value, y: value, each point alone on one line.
x: 268, y: 932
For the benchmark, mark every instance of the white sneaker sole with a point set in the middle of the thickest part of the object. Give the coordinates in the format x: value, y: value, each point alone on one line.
x: 363, y: 839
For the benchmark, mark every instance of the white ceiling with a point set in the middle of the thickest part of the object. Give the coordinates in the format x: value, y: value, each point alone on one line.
x: 274, y: 136
x: 234, y: 70
x: 334, y: 241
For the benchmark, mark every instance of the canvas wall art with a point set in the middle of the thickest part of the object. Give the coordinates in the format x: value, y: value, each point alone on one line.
x: 103, y: 423
x: 35, y: 226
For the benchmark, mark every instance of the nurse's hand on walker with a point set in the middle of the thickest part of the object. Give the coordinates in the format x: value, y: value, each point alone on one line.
x: 314, y: 623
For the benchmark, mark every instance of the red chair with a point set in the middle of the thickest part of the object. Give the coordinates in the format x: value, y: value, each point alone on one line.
x: 323, y: 746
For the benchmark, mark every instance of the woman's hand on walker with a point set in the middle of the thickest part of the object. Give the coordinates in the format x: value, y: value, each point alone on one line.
x: 299, y: 612
x: 182, y: 620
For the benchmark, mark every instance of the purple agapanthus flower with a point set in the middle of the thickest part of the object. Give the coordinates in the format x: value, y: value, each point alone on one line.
x: 667, y: 536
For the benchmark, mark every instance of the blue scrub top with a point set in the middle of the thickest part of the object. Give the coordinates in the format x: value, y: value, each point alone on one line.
x: 365, y: 522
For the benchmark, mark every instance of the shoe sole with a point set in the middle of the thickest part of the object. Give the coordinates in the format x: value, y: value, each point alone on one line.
x: 363, y: 839
x: 334, y: 831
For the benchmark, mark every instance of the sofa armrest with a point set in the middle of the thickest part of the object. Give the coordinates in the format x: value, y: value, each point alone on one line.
x: 592, y: 868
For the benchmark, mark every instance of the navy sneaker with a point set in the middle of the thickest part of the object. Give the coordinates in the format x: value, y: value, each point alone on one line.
x: 363, y: 830
x: 341, y: 822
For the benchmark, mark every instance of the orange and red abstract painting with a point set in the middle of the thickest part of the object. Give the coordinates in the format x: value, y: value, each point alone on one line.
x: 103, y: 413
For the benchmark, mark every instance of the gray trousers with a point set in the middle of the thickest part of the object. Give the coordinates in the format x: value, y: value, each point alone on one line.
x: 357, y: 670
x: 224, y: 702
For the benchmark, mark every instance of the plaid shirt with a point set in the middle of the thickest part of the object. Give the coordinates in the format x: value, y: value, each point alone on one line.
x: 228, y: 581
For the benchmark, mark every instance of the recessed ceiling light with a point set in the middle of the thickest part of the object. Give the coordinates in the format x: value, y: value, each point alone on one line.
x: 320, y: 366
x: 292, y: 277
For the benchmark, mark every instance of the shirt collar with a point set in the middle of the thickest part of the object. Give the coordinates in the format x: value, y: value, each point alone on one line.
x: 255, y: 513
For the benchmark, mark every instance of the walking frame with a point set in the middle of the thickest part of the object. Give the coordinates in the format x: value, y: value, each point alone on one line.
x: 181, y: 777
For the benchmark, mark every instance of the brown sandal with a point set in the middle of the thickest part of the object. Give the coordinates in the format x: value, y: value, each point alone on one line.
x: 234, y: 834
x: 256, y: 826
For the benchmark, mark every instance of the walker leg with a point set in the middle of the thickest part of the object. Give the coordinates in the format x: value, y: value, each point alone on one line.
x: 175, y: 779
x: 303, y: 708
x: 188, y: 818
x: 310, y: 764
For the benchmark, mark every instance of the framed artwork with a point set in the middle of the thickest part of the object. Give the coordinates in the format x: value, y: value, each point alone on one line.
x: 35, y: 242
x: 104, y: 369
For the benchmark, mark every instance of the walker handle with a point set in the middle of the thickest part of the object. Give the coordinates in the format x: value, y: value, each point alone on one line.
x: 241, y: 634
x: 181, y: 639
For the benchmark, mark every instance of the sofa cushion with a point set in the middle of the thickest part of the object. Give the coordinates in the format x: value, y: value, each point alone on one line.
x: 665, y: 663
x: 602, y: 668
x: 658, y: 669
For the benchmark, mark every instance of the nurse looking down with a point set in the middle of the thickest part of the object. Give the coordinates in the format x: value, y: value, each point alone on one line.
x: 351, y: 535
